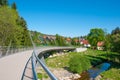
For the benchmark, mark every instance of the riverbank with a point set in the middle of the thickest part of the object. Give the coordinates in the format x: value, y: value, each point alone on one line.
x: 62, y: 62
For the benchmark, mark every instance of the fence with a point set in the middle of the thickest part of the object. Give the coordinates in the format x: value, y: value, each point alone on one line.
x: 34, y: 59
x: 6, y: 50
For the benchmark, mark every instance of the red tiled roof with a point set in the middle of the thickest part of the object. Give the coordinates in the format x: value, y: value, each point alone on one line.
x: 84, y: 41
x: 68, y: 39
x: 100, y: 43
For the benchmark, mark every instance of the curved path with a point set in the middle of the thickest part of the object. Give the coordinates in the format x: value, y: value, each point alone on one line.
x: 11, y: 67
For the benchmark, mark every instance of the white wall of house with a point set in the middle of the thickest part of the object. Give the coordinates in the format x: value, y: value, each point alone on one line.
x: 100, y: 48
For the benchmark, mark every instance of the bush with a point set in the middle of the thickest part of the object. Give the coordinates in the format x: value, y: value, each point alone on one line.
x: 78, y: 64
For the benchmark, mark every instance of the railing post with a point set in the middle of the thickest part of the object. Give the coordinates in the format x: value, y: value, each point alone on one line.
x: 50, y: 74
x: 25, y: 69
x: 41, y: 57
x: 33, y: 67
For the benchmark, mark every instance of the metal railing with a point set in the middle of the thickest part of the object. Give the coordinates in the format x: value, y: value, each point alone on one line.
x: 35, y: 59
x: 6, y: 50
x: 50, y: 74
x: 33, y: 62
x: 25, y: 69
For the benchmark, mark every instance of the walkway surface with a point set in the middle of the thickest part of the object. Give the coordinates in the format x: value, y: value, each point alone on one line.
x: 11, y: 67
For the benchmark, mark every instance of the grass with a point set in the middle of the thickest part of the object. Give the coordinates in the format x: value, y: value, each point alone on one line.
x: 42, y: 75
x: 111, y: 74
x: 96, y: 57
x: 58, y: 61
x: 39, y: 76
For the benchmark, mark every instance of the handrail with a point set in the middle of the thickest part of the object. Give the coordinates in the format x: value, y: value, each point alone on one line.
x: 33, y: 67
x: 7, y: 50
x: 34, y: 59
x: 50, y: 74
x: 25, y: 68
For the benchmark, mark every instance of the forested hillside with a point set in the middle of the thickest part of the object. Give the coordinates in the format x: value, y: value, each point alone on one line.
x: 14, y: 32
x: 13, y: 28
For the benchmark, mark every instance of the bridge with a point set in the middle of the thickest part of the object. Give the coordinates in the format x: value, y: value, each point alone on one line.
x: 22, y: 65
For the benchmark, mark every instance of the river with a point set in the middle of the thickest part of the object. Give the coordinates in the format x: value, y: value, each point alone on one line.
x: 92, y: 73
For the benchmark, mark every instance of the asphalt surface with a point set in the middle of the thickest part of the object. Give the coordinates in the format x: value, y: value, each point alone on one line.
x: 12, y: 66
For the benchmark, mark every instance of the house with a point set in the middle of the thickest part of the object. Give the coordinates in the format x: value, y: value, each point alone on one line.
x: 76, y: 40
x: 85, y: 43
x: 49, y: 37
x: 68, y: 40
x: 100, y: 45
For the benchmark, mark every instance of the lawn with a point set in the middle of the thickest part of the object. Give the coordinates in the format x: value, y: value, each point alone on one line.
x: 96, y: 57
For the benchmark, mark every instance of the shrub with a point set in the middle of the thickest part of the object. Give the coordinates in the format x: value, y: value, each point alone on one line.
x: 78, y: 63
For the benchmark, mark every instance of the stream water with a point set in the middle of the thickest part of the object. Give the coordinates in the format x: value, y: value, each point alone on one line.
x: 92, y: 73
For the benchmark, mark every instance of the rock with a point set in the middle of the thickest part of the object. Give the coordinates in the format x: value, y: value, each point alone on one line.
x: 65, y: 75
x: 98, y: 77
x: 76, y: 76
x: 59, y: 63
x: 50, y: 56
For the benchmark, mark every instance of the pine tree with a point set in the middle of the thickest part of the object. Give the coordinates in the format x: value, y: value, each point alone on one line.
x: 0, y: 2
x: 3, y: 2
x: 14, y: 6
x: 115, y: 36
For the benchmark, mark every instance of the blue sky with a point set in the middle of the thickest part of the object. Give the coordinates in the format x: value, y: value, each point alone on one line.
x: 69, y: 17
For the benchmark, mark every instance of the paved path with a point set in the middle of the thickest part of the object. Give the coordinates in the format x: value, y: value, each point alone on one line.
x: 11, y: 67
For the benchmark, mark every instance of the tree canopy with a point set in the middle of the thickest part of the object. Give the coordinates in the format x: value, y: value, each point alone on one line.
x: 13, y: 28
x: 115, y: 36
x: 60, y: 40
x: 95, y: 35
x: 3, y: 2
x: 13, y: 6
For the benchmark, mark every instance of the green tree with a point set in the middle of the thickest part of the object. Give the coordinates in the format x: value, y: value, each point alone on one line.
x: 96, y: 35
x: 14, y: 6
x: 115, y: 36
x: 6, y: 30
x: 20, y: 21
x: 79, y: 63
x: 3, y: 2
x: 75, y: 41
x: 107, y: 42
x: 36, y: 38
x: 23, y: 31
x: 13, y: 28
x: 7, y: 25
x: 116, y: 31
x: 60, y: 41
